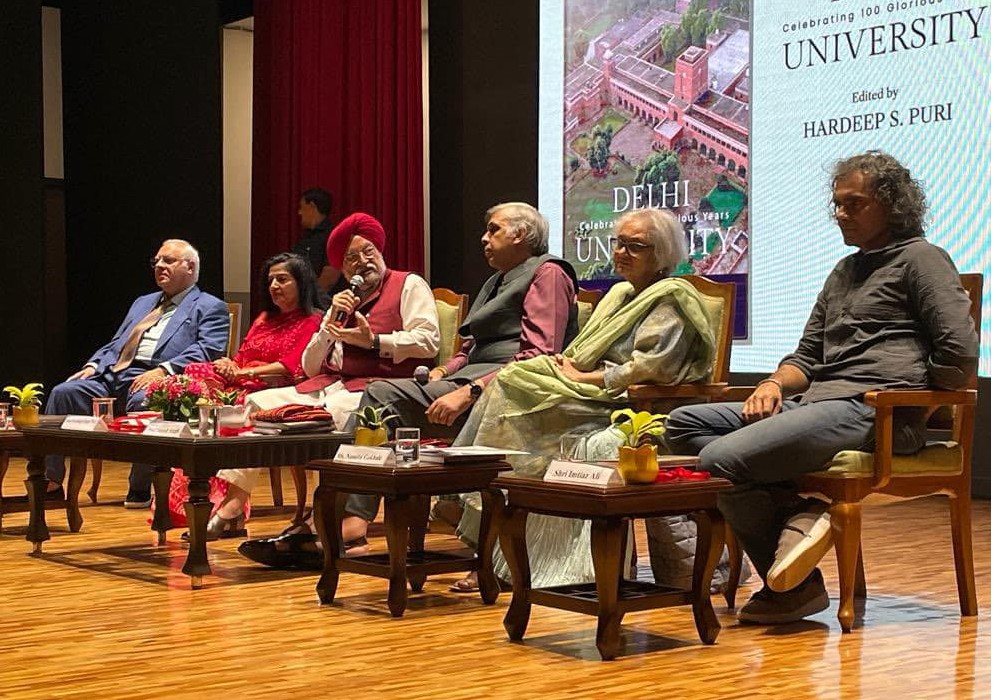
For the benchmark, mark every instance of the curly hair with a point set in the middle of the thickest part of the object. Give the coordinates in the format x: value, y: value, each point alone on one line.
x: 892, y: 186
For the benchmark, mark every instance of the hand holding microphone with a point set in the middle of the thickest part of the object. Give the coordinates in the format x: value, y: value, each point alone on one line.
x: 421, y: 375
x: 344, y: 303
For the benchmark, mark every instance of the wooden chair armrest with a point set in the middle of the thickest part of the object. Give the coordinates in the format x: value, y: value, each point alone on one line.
x: 647, y: 392
x: 920, y: 397
x: 885, y: 401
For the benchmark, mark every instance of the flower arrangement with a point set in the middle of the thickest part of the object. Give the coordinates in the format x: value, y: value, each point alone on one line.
x: 177, y: 396
x: 638, y: 428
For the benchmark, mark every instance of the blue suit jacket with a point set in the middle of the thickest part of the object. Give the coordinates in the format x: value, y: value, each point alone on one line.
x: 197, y: 332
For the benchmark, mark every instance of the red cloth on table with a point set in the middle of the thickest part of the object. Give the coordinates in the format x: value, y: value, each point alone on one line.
x: 289, y: 413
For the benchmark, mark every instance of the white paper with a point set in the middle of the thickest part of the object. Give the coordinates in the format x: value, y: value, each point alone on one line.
x: 366, y: 456
x: 90, y: 424
x: 580, y: 473
x: 168, y: 428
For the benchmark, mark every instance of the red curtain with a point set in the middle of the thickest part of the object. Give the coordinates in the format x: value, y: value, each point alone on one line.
x: 337, y: 104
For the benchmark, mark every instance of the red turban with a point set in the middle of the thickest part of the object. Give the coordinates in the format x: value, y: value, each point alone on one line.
x: 357, y: 224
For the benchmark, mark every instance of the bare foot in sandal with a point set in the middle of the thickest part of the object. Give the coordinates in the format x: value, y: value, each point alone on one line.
x: 469, y: 584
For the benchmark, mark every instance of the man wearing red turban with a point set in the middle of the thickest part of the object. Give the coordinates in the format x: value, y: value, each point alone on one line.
x: 384, y: 325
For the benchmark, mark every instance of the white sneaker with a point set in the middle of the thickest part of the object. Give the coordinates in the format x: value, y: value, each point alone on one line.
x: 805, y: 539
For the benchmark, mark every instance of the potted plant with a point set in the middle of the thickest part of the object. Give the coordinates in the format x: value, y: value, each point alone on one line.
x: 370, y: 429
x: 637, y: 457
x: 28, y: 399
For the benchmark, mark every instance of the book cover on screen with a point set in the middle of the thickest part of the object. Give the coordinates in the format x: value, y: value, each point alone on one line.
x: 656, y: 114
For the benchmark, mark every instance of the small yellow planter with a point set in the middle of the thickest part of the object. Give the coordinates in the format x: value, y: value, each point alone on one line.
x: 370, y: 437
x: 25, y: 416
x: 637, y: 465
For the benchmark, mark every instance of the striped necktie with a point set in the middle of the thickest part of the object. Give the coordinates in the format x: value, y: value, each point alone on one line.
x: 127, y: 355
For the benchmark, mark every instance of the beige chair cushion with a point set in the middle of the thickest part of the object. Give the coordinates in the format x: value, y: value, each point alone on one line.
x: 936, y: 458
x: 448, y: 322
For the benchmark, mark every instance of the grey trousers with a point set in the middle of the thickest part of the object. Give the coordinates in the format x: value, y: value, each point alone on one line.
x: 408, y: 400
x: 763, y: 459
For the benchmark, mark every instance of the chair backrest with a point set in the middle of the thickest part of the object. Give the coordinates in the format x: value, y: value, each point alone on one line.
x: 235, y: 315
x: 451, y: 308
x: 719, y: 297
x: 972, y: 283
x: 586, y: 302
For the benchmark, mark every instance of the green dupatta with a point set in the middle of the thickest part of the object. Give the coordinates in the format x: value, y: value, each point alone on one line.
x: 537, y: 384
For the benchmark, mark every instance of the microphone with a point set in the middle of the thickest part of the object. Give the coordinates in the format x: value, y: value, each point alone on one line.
x: 420, y: 375
x: 355, y: 286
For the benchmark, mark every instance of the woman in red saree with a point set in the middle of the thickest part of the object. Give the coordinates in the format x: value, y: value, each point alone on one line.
x: 270, y: 355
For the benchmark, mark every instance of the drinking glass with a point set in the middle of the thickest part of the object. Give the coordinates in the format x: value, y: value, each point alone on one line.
x: 104, y: 409
x: 4, y: 414
x: 569, y: 443
x: 207, y: 421
x: 230, y: 420
x: 407, y: 445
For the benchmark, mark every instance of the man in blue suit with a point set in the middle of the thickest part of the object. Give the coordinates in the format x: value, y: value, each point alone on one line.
x: 162, y: 333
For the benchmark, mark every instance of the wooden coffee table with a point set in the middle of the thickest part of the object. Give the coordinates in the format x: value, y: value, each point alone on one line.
x: 407, y: 492
x: 199, y: 458
x: 609, y: 510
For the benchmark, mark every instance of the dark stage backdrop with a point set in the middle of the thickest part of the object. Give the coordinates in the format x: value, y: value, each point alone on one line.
x: 143, y: 154
x: 337, y: 104
x: 483, y: 126
x: 24, y: 322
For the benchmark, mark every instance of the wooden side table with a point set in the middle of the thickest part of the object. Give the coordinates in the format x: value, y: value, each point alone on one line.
x: 407, y: 492
x: 12, y: 441
x: 199, y: 458
x: 609, y: 510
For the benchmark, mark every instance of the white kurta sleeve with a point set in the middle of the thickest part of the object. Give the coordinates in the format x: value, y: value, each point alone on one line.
x: 421, y: 335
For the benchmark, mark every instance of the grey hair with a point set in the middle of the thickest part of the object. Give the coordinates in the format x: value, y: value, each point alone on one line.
x: 190, y: 253
x: 527, y: 220
x: 892, y: 186
x: 665, y: 233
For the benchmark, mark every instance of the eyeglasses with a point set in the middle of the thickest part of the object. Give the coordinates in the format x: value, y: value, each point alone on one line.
x: 354, y: 257
x: 851, y: 205
x: 632, y: 247
x: 167, y: 260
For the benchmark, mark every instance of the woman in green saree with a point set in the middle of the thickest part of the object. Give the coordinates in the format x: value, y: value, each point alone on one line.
x: 649, y: 328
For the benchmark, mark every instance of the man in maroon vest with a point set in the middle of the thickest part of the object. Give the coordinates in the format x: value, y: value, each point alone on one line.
x: 385, y: 325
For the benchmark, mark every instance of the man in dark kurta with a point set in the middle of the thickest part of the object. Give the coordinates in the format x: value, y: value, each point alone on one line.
x: 892, y: 315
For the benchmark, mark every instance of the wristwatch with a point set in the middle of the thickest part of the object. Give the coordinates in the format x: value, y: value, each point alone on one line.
x: 475, y: 390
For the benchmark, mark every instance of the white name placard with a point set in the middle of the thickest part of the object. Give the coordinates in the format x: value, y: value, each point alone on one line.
x: 582, y: 474
x: 168, y: 428
x: 365, y: 456
x: 90, y: 424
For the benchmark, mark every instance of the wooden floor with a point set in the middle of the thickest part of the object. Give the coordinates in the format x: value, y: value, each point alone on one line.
x: 104, y: 613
